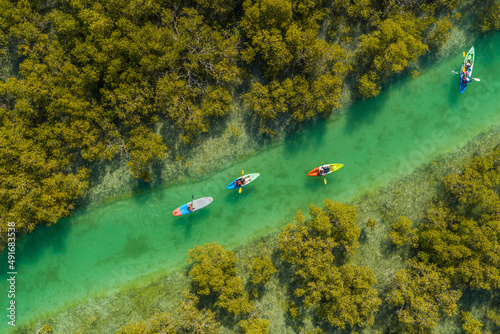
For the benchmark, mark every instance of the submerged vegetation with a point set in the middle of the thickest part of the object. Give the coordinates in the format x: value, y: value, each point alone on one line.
x: 137, y: 81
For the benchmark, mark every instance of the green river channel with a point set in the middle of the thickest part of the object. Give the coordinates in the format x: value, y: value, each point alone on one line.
x: 99, y: 250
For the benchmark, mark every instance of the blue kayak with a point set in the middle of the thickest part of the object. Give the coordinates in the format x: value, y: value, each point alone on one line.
x: 466, y: 71
x: 245, y: 180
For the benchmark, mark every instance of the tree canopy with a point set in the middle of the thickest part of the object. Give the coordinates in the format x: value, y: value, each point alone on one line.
x: 421, y: 295
x: 213, y: 273
x: 457, y: 247
x: 343, y: 296
x: 94, y: 79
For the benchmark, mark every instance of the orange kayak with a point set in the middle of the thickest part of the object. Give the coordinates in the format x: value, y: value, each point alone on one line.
x: 327, y: 169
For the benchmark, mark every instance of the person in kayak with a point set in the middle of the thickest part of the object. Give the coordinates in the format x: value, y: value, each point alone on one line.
x: 323, y: 170
x: 465, y: 78
x: 467, y: 65
x: 190, y: 207
x: 241, y: 181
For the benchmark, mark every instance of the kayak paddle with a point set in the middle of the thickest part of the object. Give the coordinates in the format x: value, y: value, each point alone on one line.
x: 242, y: 172
x: 475, y: 79
x: 324, y: 178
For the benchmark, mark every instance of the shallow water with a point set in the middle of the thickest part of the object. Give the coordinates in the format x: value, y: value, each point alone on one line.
x: 103, y: 249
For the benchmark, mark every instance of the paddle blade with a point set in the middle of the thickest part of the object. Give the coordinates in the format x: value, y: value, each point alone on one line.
x: 239, y: 191
x: 464, y: 54
x: 324, y: 179
x: 242, y: 171
x: 476, y: 79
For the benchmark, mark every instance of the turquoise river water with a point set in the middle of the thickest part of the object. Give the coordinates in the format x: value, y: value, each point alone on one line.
x: 102, y: 249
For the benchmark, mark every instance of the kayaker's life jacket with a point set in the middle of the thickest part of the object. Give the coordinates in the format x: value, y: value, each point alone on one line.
x: 237, y: 183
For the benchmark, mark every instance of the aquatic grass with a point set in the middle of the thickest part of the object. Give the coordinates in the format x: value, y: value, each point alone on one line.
x: 219, y: 149
x: 106, y: 314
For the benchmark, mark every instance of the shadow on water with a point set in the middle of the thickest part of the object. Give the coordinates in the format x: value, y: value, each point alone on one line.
x: 315, y: 183
x: 233, y: 197
x: 135, y: 246
x: 45, y: 239
x: 142, y: 192
x: 307, y: 139
x: 187, y: 223
x: 364, y: 112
